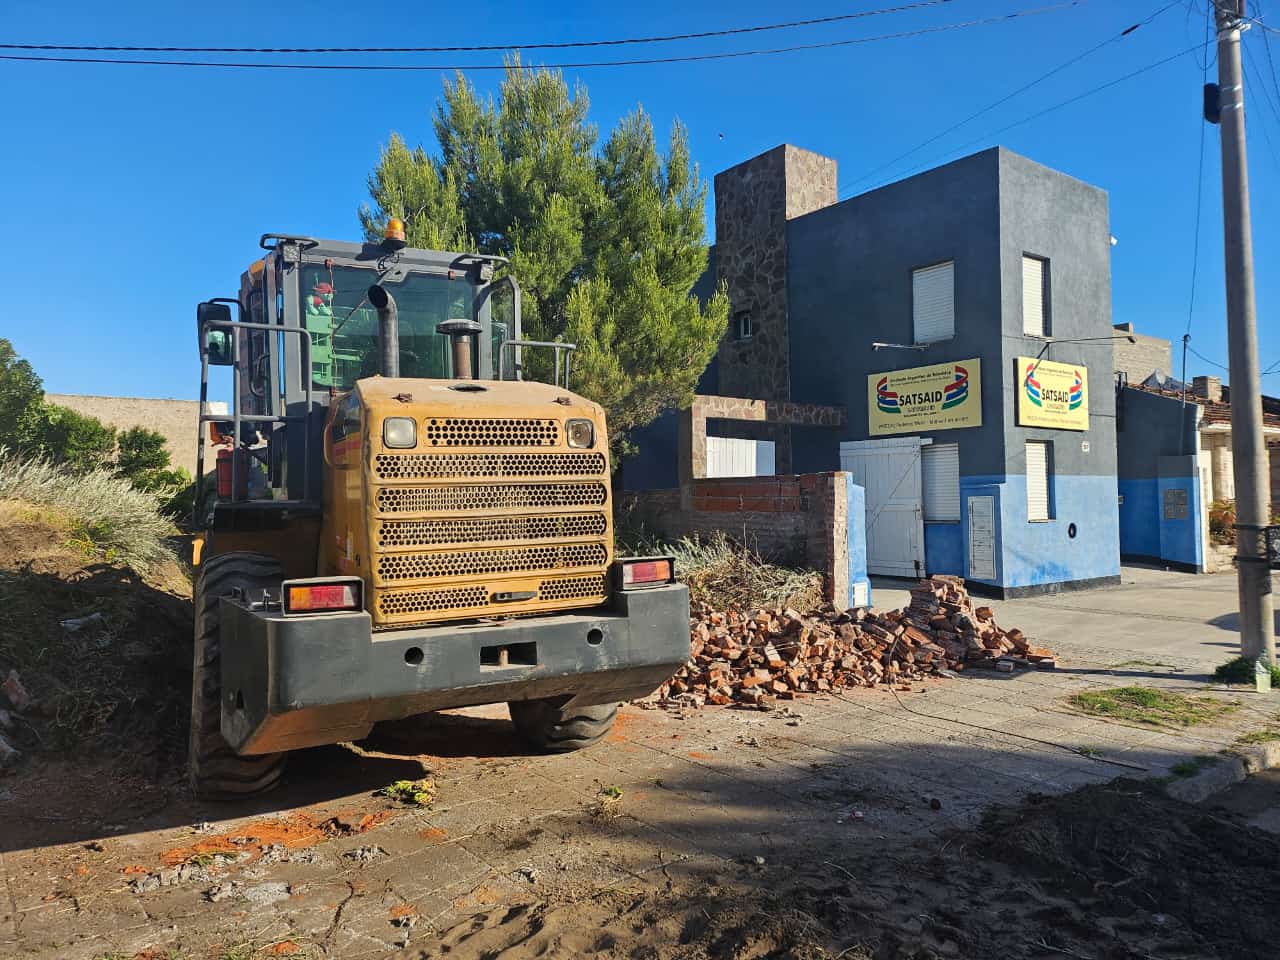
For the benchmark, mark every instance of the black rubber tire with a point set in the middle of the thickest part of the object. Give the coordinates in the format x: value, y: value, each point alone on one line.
x: 213, y: 768
x: 550, y: 725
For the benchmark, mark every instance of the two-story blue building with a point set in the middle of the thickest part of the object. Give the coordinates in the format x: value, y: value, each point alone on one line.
x: 962, y: 317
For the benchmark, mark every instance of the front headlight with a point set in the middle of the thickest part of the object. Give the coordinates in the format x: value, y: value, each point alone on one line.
x: 399, y: 433
x: 580, y: 433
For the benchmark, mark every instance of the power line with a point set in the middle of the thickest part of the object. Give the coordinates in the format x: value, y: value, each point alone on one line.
x: 1005, y: 99
x: 1212, y: 363
x: 484, y: 48
x: 1195, y: 244
x: 1255, y: 75
x: 693, y: 58
x: 1064, y: 103
x: 1269, y: 371
x: 1275, y: 79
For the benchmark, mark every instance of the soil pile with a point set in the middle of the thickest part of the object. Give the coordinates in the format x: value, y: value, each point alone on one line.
x: 1131, y: 859
x: 103, y: 653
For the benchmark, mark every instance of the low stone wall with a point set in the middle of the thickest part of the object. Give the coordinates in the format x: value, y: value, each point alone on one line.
x: 802, y: 520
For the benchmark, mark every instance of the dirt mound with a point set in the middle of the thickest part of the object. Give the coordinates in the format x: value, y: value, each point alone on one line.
x: 1145, y: 859
x: 714, y: 922
x: 103, y: 652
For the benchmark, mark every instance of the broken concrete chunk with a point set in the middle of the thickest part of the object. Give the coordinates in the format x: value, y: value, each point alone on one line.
x: 16, y: 693
x: 9, y: 754
x: 365, y: 854
x: 266, y: 893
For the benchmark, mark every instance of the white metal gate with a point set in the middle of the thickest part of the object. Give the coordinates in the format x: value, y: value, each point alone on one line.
x: 730, y: 457
x: 889, y: 471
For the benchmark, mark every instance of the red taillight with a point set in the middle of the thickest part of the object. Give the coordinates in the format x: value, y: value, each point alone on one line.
x: 321, y: 596
x: 652, y: 572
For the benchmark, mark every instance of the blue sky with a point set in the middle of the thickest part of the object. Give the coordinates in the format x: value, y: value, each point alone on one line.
x: 131, y: 193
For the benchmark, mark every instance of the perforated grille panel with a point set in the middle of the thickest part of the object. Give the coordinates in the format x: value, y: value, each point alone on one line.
x: 427, y: 601
x: 419, y: 566
x: 412, y: 466
x: 484, y: 520
x: 572, y: 588
x: 458, y: 432
x: 490, y: 497
x: 430, y: 533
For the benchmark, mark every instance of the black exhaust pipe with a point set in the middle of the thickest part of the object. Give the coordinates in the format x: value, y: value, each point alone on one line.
x: 388, y: 329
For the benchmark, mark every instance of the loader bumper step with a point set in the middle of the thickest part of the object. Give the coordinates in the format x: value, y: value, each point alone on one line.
x: 291, y: 682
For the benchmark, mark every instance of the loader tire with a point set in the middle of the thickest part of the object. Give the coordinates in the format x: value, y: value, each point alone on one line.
x: 550, y: 725
x: 213, y: 768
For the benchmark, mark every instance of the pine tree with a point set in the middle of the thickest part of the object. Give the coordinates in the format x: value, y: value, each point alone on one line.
x: 606, y: 241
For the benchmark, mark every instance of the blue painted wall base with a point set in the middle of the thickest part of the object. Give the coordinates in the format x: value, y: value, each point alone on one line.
x: 859, y: 581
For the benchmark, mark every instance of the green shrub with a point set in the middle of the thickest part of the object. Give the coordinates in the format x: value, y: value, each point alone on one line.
x: 1241, y: 670
x: 1222, y: 521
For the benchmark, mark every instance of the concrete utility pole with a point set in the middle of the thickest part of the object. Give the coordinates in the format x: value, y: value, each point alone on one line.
x: 1252, y: 472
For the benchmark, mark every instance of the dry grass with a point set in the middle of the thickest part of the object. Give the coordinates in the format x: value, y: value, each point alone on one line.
x: 723, y: 573
x: 108, y: 518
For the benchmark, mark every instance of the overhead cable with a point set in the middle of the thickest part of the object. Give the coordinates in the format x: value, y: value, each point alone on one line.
x: 1058, y: 106
x: 1007, y: 97
x: 465, y: 67
x: 482, y: 48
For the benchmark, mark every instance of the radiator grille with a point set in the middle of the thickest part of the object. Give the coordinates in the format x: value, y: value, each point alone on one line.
x: 412, y: 466
x: 430, y: 533
x: 490, y: 497
x: 572, y: 588
x: 426, y: 601
x: 420, y: 566
x: 458, y: 432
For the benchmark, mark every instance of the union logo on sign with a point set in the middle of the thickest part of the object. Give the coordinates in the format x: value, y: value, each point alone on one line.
x: 886, y: 399
x: 1076, y: 395
x: 1032, y: 385
x: 956, y: 392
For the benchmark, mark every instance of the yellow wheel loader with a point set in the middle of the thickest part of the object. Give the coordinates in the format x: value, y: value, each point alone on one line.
x: 401, y: 522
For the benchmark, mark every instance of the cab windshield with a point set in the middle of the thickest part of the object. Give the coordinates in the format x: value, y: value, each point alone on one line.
x: 343, y: 326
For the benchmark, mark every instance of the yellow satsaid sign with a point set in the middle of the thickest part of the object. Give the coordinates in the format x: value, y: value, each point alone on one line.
x: 942, y: 396
x: 1052, y: 394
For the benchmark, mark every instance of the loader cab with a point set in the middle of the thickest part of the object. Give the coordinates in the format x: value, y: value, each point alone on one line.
x: 302, y: 331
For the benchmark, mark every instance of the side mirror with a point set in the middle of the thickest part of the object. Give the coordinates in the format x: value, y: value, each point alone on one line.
x: 217, y: 340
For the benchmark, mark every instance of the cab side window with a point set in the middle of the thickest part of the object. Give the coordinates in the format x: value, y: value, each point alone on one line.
x: 347, y: 419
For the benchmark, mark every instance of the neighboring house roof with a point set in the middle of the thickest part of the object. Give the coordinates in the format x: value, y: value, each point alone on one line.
x: 1213, y: 413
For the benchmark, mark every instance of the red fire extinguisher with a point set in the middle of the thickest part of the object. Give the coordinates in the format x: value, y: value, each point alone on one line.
x: 224, y: 474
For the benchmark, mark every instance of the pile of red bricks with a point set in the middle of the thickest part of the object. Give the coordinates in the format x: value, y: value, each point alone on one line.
x: 755, y: 658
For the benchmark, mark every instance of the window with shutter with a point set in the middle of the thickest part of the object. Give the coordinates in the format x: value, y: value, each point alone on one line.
x: 1039, y: 465
x: 1035, y: 296
x: 940, y: 474
x: 933, y: 312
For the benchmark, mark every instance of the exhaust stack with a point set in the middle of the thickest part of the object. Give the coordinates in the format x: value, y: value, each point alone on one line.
x: 460, y: 333
x: 388, y: 329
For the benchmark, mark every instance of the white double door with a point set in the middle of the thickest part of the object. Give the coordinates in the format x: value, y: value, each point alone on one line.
x: 889, y: 471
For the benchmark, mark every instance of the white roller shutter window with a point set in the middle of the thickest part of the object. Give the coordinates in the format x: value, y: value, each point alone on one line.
x: 933, y: 298
x: 940, y: 465
x: 1037, y: 480
x: 1033, y: 297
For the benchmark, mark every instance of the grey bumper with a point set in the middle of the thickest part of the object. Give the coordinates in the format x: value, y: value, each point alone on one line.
x: 290, y: 682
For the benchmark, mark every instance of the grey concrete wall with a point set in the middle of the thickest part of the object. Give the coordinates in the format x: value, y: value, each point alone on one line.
x: 1141, y: 359
x: 1149, y: 427
x: 1049, y: 214
x: 849, y: 277
x: 175, y: 420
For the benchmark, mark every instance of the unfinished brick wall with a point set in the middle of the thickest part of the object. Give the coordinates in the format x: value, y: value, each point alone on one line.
x: 791, y: 519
